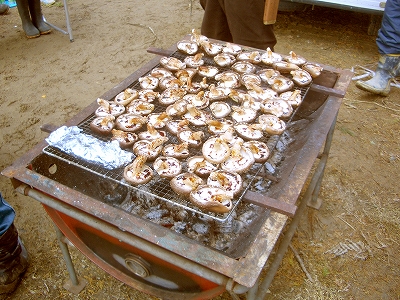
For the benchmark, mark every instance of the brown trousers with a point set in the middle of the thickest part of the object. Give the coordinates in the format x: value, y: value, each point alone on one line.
x: 237, y: 21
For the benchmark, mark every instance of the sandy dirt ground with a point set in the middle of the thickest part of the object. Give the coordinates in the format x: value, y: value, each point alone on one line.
x: 350, y: 247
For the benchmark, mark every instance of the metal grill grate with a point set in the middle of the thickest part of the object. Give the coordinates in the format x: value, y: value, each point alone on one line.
x: 159, y: 187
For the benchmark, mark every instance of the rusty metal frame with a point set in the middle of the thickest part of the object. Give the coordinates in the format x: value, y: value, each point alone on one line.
x: 234, y: 274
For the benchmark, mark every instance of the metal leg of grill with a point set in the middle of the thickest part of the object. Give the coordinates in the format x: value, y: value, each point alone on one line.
x: 69, y: 30
x: 73, y: 284
x: 260, y: 289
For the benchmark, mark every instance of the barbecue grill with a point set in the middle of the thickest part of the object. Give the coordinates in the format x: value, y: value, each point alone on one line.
x: 157, y: 242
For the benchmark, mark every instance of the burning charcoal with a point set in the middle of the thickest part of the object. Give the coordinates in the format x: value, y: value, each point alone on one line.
x: 181, y: 215
x: 201, y: 228
x: 276, y: 159
x: 247, y: 217
x: 144, y: 194
x: 157, y: 214
x: 179, y: 227
x: 269, y: 168
x: 261, y: 186
x: 238, y: 227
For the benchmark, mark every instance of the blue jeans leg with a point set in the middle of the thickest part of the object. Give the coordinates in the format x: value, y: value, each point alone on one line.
x: 7, y: 215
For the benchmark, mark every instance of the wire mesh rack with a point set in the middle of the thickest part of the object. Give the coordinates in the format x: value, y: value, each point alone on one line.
x: 159, y: 187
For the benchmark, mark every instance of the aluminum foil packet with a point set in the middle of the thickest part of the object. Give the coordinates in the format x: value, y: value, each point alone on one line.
x: 72, y: 141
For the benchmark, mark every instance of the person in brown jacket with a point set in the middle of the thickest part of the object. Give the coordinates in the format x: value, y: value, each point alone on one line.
x: 237, y: 21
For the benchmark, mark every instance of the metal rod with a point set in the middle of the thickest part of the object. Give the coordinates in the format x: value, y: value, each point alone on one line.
x: 264, y: 285
x: 69, y: 29
x: 128, y: 238
x: 67, y: 256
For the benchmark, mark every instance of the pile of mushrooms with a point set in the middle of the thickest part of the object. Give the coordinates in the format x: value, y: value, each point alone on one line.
x: 214, y: 121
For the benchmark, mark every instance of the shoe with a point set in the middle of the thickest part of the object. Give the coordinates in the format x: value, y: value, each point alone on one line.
x: 4, y: 8
x: 388, y: 68
x: 14, y: 261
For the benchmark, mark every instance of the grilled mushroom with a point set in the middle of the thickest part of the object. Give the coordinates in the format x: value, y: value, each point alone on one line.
x: 211, y: 49
x: 312, y: 68
x: 196, y: 116
x: 174, y: 126
x: 250, y: 56
x: 242, y: 114
x: 220, y: 109
x: 208, y: 71
x: 188, y: 47
x: 249, y: 131
x: 140, y: 107
x: 233, y: 49
x: 267, y: 75
x: 200, y: 166
x: 148, y: 95
x: 301, y: 77
x: 212, y: 199
x: 277, y: 107
x: 126, y: 96
x: 171, y: 95
x: 125, y: 139
x: 172, y: 63
x: 167, y: 167
x: 108, y: 108
x: 240, y: 160
x: 259, y: 150
x: 158, y: 120
x: 293, y: 97
x: 270, y: 57
x: 130, y: 122
x: 151, y: 133
x: 295, y: 59
x: 215, y: 150
x: 177, y: 109
x: 243, y: 67
x: 193, y: 138
x: 229, y: 181
x: 177, y: 150
x: 285, y: 67
x: 103, y: 125
x: 148, y: 82
x: 224, y: 59
x: 138, y: 172
x: 219, y: 126
x: 184, y: 183
x: 194, y: 61
x: 272, y: 124
x: 281, y: 84
x: 150, y: 149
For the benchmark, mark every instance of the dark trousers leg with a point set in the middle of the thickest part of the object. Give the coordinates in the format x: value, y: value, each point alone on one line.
x: 37, y: 17
x: 215, y: 23
x: 388, y: 40
x: 23, y: 9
